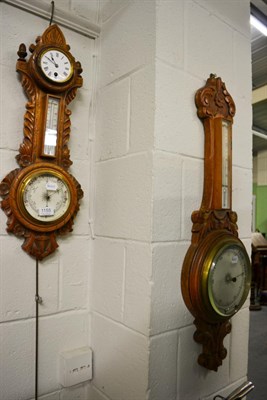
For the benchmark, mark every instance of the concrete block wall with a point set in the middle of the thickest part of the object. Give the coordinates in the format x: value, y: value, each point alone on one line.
x: 121, y: 298
x: 64, y: 277
x: 208, y: 37
x: 149, y: 179
x: 115, y: 282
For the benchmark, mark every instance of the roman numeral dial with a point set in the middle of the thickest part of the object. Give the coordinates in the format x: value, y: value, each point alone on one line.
x: 56, y: 66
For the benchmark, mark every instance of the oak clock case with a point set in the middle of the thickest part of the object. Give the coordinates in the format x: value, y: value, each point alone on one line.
x: 41, y: 198
x: 216, y: 272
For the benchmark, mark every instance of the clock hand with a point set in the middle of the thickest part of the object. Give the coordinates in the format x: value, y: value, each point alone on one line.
x: 56, y: 65
x: 52, y: 61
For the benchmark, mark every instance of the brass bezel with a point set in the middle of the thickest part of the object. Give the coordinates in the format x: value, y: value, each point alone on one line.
x: 21, y: 191
x: 216, y: 249
x: 17, y: 193
x: 41, y: 69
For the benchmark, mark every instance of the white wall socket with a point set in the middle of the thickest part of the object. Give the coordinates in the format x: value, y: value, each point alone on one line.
x: 75, y: 366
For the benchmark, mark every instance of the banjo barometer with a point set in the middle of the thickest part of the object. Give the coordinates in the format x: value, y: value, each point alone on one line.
x: 216, y: 271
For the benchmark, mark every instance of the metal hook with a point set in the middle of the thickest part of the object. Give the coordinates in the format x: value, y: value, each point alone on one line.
x: 52, y: 12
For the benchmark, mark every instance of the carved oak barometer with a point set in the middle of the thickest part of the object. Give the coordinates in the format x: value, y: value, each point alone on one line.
x: 41, y: 198
x: 216, y: 270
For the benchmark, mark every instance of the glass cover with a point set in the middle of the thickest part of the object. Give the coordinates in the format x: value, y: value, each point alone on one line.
x: 229, y: 280
x: 51, y: 129
x: 225, y: 164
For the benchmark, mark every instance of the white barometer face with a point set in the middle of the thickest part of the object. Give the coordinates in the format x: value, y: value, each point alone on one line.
x: 46, y: 197
x: 56, y: 66
x: 229, y: 279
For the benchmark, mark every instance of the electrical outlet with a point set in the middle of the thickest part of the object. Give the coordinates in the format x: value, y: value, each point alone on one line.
x: 75, y: 366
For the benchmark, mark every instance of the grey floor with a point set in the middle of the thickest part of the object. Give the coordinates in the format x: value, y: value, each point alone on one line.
x: 257, y: 363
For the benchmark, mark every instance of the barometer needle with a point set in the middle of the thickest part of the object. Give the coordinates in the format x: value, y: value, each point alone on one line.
x: 237, y: 276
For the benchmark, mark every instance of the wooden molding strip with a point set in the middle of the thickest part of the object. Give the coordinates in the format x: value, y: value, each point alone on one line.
x: 61, y: 17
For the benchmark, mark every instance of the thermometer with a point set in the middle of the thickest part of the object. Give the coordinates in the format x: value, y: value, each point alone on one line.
x: 51, y: 129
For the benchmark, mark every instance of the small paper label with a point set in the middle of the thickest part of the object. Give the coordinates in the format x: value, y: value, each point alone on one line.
x: 234, y: 259
x: 46, y: 212
x: 51, y: 186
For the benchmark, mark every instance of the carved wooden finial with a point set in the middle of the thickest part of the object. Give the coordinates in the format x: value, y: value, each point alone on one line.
x: 22, y: 53
x: 32, y: 47
x: 213, y: 100
x: 53, y: 35
x: 79, y: 67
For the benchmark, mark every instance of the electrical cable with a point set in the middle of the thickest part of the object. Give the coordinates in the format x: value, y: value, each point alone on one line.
x: 38, y: 300
x: 36, y: 328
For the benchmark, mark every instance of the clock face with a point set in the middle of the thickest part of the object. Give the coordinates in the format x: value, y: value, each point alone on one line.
x: 228, y: 279
x: 46, y: 197
x: 56, y: 66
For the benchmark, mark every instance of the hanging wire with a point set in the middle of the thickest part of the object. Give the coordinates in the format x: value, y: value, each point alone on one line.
x: 52, y: 12
x: 38, y: 300
x: 36, y: 329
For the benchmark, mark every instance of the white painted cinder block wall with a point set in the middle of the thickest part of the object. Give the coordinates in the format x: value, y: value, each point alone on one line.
x: 149, y: 176
x: 147, y: 169
x: 64, y: 276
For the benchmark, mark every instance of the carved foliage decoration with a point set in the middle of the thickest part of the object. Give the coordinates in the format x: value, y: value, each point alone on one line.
x: 211, y: 337
x: 206, y: 221
x: 53, y: 36
x: 35, y: 86
x: 39, y: 241
x: 37, y: 244
x: 25, y: 156
x: 65, y: 157
x: 213, y: 100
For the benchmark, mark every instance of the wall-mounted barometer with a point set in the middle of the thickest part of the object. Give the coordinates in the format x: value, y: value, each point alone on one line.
x: 41, y: 198
x: 216, y: 272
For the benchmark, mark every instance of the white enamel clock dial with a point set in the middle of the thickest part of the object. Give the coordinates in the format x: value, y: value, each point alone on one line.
x: 56, y: 66
x: 229, y: 279
x: 46, y: 197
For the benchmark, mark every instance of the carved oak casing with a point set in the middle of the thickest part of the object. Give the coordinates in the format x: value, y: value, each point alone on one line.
x: 37, y: 88
x: 212, y: 224
x: 40, y: 241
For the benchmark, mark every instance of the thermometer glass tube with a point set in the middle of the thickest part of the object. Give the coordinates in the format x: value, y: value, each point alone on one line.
x: 225, y: 164
x: 51, y: 129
